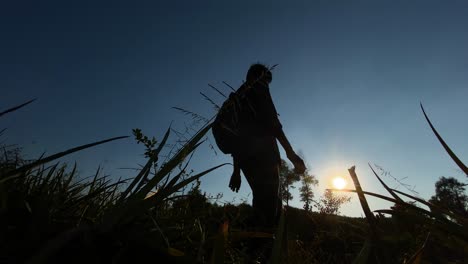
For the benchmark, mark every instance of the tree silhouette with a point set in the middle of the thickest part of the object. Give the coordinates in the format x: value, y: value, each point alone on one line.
x: 287, y: 178
x: 306, y: 193
x: 330, y: 203
x: 450, y: 193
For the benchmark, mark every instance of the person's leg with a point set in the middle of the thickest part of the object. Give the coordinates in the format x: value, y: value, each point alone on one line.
x: 264, y: 182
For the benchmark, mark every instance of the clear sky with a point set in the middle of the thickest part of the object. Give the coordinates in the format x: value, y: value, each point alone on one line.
x: 350, y: 78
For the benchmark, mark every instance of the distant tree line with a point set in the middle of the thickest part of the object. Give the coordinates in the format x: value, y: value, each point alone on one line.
x: 328, y: 203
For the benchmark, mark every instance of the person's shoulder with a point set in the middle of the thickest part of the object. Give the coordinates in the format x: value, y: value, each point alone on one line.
x: 262, y: 88
x: 254, y: 89
x: 242, y: 89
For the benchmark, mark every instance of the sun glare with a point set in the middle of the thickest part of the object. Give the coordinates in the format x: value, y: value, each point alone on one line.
x: 339, y: 183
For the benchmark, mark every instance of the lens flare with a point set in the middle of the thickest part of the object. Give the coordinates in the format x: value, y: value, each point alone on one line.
x: 339, y: 183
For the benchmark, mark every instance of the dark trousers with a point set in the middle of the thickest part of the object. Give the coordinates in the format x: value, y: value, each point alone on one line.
x: 263, y: 179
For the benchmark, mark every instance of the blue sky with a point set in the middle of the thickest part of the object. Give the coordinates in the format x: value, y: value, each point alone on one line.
x: 348, y: 85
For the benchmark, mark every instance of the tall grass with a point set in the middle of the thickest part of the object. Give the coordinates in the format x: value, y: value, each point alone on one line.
x: 57, y: 213
x: 49, y: 215
x: 445, y: 232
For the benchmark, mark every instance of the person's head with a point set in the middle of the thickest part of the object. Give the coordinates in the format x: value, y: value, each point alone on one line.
x: 259, y: 72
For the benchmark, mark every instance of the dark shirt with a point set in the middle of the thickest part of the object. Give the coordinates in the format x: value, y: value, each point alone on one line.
x: 258, y: 125
x: 258, y: 116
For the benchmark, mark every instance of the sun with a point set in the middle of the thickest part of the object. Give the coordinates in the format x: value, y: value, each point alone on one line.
x: 339, y: 183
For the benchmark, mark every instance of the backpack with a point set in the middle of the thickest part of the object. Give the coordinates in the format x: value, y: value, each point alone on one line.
x: 225, y: 126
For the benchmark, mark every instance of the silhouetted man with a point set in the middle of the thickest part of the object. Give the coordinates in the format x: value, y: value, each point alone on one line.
x: 256, y: 152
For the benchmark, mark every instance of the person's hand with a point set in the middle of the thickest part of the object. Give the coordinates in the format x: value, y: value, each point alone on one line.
x: 235, y: 181
x: 299, y: 166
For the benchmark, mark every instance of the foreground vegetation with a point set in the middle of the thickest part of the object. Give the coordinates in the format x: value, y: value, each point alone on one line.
x: 49, y: 215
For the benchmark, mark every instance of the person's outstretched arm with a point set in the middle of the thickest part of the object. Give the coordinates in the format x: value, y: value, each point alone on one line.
x: 269, y: 116
x: 299, y: 166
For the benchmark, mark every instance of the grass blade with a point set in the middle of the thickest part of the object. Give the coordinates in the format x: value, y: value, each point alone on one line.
x: 385, y: 185
x: 445, y: 224
x: 95, y: 178
x: 163, y: 142
x: 276, y: 252
x: 70, y: 177
x: 57, y: 156
x: 459, y: 218
x: 144, y: 171
x: 155, y: 156
x: 416, y: 258
x: 166, y: 192
x: 225, y: 83
x: 446, y: 147
x: 216, y: 106
x: 223, y: 95
x: 16, y: 107
x: 195, y: 177
x: 188, y: 148
x: 364, y: 254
